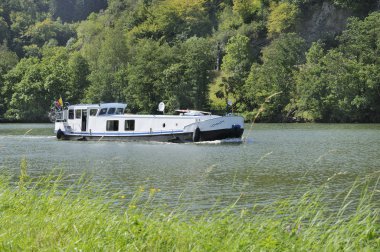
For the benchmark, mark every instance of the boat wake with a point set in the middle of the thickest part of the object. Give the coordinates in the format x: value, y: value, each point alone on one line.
x: 247, y: 140
x: 223, y: 141
x: 26, y: 137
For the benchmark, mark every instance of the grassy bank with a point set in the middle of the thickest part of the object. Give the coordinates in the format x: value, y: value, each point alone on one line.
x: 44, y: 215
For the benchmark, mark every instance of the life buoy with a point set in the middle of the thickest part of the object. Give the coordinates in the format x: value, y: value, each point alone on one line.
x: 60, y: 134
x: 197, y: 135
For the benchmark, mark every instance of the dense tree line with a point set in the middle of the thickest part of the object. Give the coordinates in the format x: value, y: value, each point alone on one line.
x: 190, y: 54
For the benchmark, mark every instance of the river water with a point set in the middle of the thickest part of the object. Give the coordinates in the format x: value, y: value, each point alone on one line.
x: 273, y: 162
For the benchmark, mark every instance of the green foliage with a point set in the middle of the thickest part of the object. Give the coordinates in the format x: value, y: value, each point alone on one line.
x: 237, y: 55
x: 336, y: 89
x: 174, y: 19
x: 149, y: 60
x: 177, y: 75
x: 24, y: 22
x: 198, y: 60
x: 74, y: 10
x: 247, y: 8
x: 310, y: 87
x: 16, y: 17
x: 236, y: 65
x: 360, y: 5
x: 108, y: 68
x: 186, y: 82
x: 24, y: 91
x: 31, y: 86
x: 47, y: 30
x: 343, y: 85
x: 146, y: 51
x: 282, y: 18
x: 48, y: 214
x: 4, y: 29
x: 361, y: 39
x: 8, y: 60
x: 90, y: 37
x: 24, y: 177
x: 276, y: 74
x: 229, y: 20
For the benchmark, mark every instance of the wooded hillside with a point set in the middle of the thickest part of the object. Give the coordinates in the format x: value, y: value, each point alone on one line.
x: 320, y: 58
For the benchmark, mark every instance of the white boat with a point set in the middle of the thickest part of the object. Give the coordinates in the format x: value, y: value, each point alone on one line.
x: 109, y: 122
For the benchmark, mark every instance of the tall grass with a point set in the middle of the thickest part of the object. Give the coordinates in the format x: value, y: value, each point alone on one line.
x: 45, y: 215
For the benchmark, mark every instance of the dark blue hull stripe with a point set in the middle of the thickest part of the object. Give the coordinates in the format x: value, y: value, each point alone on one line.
x: 122, y: 134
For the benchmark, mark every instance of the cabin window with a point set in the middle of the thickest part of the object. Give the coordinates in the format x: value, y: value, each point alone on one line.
x: 78, y: 114
x: 111, y: 111
x: 93, y: 112
x: 112, y: 125
x: 119, y: 111
x: 129, y: 125
x: 71, y: 113
x: 103, y: 111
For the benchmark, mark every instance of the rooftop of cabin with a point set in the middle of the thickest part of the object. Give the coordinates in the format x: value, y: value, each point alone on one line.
x: 188, y: 112
x: 100, y: 105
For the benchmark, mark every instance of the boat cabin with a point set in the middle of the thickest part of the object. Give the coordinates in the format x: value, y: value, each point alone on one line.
x: 78, y: 116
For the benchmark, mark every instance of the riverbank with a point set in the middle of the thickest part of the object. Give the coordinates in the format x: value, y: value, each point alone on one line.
x: 43, y: 214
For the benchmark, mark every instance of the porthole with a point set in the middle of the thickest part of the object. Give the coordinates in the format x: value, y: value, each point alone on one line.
x: 163, y: 125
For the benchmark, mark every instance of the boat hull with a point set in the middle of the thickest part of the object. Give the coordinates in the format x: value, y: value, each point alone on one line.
x: 172, y: 138
x: 221, y: 134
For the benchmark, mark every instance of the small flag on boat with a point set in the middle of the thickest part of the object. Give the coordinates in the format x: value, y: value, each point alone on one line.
x: 60, y: 101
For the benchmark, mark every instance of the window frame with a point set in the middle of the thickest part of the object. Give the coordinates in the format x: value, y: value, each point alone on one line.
x: 78, y: 112
x: 71, y: 114
x: 111, y: 111
x: 112, y: 125
x: 103, y: 111
x: 119, y: 111
x: 92, y: 110
x: 131, y: 123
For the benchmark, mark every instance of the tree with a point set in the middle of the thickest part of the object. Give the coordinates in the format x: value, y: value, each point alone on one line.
x: 108, y: 66
x: 276, y: 75
x: 145, y: 73
x: 282, y: 17
x: 19, y: 15
x: 247, y: 9
x: 236, y: 65
x: 344, y: 84
x: 8, y: 60
x: 359, y: 5
x: 174, y: 19
x: 24, y: 91
x: 198, y: 61
x: 361, y: 39
x: 4, y: 29
x: 74, y: 10
x: 339, y: 93
x: 43, y: 32
x: 186, y: 81
x: 311, y: 88
x: 32, y: 85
